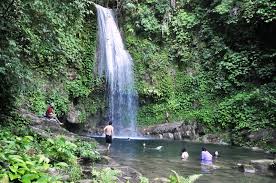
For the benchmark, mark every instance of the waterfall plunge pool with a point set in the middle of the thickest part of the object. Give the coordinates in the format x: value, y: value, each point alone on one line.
x: 154, y: 163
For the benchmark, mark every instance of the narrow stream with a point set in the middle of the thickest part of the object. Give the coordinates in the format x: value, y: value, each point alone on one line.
x: 154, y: 163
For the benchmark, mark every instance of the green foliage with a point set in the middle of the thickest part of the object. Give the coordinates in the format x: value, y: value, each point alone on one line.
x: 209, y: 61
x: 153, y: 78
x: 175, y: 178
x: 105, y: 175
x: 28, y: 158
x: 145, y: 19
x: 224, y: 7
x: 75, y: 172
x: 60, y: 100
x: 11, y: 72
x: 37, y: 99
x: 48, y: 55
x: 60, y: 149
x: 215, y: 64
x: 21, y: 160
x: 247, y: 10
x: 148, y: 21
x: 87, y: 150
x: 143, y: 179
x: 248, y: 110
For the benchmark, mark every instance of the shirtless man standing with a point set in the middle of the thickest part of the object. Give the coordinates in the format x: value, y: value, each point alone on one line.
x: 108, y: 131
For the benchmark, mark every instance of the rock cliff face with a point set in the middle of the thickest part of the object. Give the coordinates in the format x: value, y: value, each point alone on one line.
x: 192, y: 131
x: 268, y: 134
x: 73, y: 114
x: 177, y: 131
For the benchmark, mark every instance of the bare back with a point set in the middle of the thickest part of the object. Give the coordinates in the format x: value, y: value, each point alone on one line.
x: 108, y: 130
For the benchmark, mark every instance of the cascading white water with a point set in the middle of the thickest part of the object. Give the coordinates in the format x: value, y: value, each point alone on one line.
x: 115, y: 63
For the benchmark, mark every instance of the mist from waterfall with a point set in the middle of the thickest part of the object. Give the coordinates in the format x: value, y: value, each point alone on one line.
x: 115, y: 63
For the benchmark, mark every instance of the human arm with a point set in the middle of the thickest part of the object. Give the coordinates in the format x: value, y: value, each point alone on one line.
x: 112, y: 130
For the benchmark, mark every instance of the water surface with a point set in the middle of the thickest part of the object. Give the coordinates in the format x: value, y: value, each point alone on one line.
x: 153, y: 163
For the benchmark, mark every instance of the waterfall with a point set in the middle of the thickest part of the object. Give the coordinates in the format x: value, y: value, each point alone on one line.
x: 115, y: 63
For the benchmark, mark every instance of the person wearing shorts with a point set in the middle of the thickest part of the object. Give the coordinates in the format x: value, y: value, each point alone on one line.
x: 108, y: 131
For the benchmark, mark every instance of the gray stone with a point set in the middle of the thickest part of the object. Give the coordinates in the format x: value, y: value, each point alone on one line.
x: 85, y: 181
x: 211, y: 138
x: 168, y: 135
x: 268, y: 134
x: 73, y: 114
x: 177, y: 136
x: 160, y: 180
x: 263, y: 165
x: 71, y: 74
x: 177, y: 130
x: 256, y: 149
x: 127, y: 178
x: 246, y: 168
x: 65, y: 177
x: 53, y: 171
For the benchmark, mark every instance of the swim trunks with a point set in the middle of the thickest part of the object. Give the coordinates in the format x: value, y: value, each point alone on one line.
x: 108, y: 139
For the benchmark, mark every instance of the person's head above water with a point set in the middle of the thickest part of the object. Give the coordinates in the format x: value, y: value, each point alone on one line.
x: 183, y: 150
x: 203, y: 149
x: 110, y: 122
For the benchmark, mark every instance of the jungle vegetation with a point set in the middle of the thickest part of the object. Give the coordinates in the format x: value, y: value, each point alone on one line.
x: 211, y: 61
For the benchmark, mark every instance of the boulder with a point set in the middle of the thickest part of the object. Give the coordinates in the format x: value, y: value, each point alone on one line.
x: 73, y: 114
x: 163, y: 128
x: 263, y: 165
x: 46, y: 127
x: 268, y: 135
x: 168, y: 135
x: 256, y: 149
x: 177, y: 130
x: 246, y: 168
x: 212, y: 138
x: 65, y: 178
x: 160, y: 180
x: 177, y: 136
x: 53, y: 172
x: 85, y: 181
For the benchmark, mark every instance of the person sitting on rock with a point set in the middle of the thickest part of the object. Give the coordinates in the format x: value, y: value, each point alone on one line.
x: 50, y: 111
x: 50, y: 114
x: 184, y: 154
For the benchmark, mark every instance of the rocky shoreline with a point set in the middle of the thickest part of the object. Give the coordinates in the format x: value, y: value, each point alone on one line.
x: 188, y: 131
x: 262, y: 166
x: 50, y: 128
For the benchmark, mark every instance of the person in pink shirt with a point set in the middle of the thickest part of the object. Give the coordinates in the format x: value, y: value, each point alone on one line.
x: 205, y: 155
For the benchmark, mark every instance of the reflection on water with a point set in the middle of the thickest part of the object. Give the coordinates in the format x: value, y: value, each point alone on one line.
x: 206, y: 166
x: 153, y: 162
